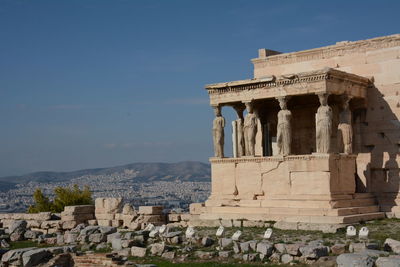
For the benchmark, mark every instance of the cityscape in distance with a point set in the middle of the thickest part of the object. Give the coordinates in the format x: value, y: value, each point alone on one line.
x: 173, y: 185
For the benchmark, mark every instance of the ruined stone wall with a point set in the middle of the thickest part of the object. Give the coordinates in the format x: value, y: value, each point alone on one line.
x: 377, y: 126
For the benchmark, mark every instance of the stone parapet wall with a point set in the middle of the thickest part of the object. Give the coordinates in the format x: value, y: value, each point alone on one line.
x: 41, y: 216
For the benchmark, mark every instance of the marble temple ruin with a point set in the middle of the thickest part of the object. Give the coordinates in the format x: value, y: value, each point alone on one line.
x: 319, y: 141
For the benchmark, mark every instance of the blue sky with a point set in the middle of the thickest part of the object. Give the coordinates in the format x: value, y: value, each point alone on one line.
x: 97, y: 83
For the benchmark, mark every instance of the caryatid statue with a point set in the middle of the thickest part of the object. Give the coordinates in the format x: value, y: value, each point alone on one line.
x: 239, y: 131
x: 323, y: 125
x: 345, y: 131
x: 218, y: 133
x: 284, y: 129
x: 250, y: 130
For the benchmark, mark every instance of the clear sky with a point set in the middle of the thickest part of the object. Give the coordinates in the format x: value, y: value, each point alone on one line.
x: 97, y: 83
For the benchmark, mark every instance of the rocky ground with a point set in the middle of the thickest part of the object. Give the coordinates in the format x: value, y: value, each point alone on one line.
x: 164, y: 246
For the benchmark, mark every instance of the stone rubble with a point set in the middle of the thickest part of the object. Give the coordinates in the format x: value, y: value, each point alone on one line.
x: 176, y: 243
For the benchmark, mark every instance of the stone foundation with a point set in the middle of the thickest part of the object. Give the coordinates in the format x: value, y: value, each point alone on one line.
x: 310, y: 189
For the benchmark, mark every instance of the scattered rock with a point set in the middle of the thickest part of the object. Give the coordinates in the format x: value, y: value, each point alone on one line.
x: 17, y: 227
x: 170, y: 255
x: 101, y: 246
x: 280, y: 247
x: 35, y: 256
x: 338, y: 249
x: 190, y: 232
x: 224, y: 254
x: 354, y: 260
x: 250, y: 257
x: 265, y: 248
x: 286, y: 258
x: 356, y: 247
x: 138, y: 252
x: 314, y: 251
x: 4, y: 244
x: 392, y: 245
x: 225, y: 242
x: 29, y: 234
x: 157, y: 249
x: 207, y: 242
x: 293, y: 249
x: 204, y: 255
x: 116, y: 244
x: 387, y: 262
x: 245, y: 247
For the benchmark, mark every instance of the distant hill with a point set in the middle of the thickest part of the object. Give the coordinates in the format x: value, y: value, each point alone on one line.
x: 148, y: 172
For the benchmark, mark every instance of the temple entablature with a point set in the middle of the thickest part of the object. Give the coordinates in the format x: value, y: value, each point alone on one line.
x: 327, y: 80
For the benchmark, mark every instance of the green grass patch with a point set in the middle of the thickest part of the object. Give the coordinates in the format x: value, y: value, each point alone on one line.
x: 28, y: 244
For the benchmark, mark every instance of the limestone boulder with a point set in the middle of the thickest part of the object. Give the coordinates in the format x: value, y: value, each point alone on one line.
x: 387, y: 262
x: 207, y: 242
x: 35, y: 256
x: 392, y: 245
x: 314, y: 251
x: 29, y: 234
x: 225, y: 242
x: 18, y: 227
x: 286, y: 258
x: 354, y: 260
x: 204, y: 255
x: 97, y: 238
x: 265, y: 248
x: 157, y: 249
x: 14, y: 255
x: 116, y: 244
x: 70, y: 237
x: 88, y: 230
x: 128, y: 209
x: 170, y: 255
x: 138, y: 252
x: 106, y: 230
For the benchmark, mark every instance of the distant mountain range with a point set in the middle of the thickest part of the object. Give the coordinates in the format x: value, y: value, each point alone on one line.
x: 148, y: 172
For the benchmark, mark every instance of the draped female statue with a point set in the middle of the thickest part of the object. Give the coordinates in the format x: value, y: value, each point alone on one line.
x: 345, y: 131
x: 323, y: 125
x: 218, y: 133
x: 250, y: 130
x: 284, y: 129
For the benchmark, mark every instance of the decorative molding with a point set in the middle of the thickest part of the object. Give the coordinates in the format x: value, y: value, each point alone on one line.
x: 305, y: 77
x: 339, y: 49
x: 313, y: 156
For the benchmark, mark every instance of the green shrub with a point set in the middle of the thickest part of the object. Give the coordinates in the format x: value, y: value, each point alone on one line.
x: 64, y: 196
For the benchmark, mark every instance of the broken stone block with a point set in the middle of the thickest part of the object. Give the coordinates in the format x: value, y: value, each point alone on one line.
x: 151, y: 210
x: 138, y: 252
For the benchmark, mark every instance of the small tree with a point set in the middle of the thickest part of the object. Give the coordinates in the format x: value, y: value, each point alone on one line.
x: 42, y: 203
x: 64, y: 196
x: 71, y: 196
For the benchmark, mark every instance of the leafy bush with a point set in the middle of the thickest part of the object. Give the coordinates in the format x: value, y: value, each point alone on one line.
x: 64, y: 196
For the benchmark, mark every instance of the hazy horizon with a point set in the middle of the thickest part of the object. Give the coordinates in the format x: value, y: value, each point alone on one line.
x: 90, y: 84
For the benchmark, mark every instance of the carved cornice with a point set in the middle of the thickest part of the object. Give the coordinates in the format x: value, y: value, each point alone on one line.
x: 314, y: 156
x: 304, y: 77
x: 339, y: 49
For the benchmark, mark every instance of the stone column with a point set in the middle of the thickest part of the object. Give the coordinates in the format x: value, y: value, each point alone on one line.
x: 218, y: 133
x: 250, y: 130
x: 284, y: 128
x: 234, y: 139
x: 323, y: 123
x: 345, y: 129
x: 240, y: 146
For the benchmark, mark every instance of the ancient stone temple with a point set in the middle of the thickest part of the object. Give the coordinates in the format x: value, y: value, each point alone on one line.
x: 316, y: 139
